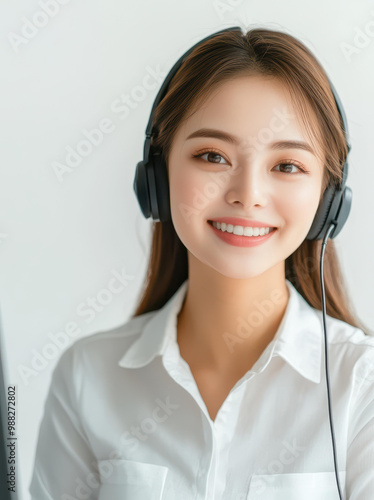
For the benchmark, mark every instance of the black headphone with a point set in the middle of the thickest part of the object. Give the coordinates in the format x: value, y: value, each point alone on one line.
x: 151, y: 183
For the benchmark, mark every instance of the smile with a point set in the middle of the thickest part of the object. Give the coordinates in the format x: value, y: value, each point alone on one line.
x: 242, y: 236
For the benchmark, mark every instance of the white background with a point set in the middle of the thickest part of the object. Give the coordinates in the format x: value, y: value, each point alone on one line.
x: 60, y: 242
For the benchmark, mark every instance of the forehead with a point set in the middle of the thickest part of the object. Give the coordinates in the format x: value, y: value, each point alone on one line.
x: 250, y: 107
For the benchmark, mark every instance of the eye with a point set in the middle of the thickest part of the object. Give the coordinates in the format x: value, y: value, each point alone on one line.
x: 216, y: 157
x: 212, y: 153
x: 290, y: 164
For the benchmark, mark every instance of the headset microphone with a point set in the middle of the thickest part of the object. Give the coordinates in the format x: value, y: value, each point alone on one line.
x: 151, y: 188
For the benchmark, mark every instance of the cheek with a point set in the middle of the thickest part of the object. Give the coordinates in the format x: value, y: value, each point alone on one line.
x: 189, y: 191
x: 299, y: 204
x: 184, y: 205
x: 181, y: 187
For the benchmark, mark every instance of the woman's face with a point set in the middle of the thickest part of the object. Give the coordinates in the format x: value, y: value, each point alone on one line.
x: 248, y: 178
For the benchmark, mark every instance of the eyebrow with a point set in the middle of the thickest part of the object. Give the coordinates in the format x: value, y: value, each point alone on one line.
x: 232, y: 139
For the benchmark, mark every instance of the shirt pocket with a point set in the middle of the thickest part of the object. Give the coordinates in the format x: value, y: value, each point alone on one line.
x: 308, y: 486
x: 128, y: 480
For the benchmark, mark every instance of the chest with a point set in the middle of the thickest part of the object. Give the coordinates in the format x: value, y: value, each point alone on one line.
x: 214, y: 388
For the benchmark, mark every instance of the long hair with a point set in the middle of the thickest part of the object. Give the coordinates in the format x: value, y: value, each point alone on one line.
x: 267, y: 53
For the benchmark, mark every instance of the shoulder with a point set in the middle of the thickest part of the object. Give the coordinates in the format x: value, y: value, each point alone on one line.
x: 103, y: 346
x: 350, y: 345
x: 340, y: 332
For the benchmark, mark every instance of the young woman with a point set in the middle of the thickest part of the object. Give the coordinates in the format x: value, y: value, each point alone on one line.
x: 215, y: 387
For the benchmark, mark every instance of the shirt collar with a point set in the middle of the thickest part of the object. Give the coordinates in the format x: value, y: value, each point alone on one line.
x: 297, y: 341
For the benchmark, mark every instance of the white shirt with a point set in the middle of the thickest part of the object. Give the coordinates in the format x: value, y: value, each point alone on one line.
x: 123, y: 404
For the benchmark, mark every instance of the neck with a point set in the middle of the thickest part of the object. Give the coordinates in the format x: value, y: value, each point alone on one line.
x: 225, y: 323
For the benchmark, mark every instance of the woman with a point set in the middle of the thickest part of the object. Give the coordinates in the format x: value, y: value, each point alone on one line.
x: 215, y: 387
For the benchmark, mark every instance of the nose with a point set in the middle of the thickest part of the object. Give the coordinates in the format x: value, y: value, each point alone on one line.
x: 249, y: 186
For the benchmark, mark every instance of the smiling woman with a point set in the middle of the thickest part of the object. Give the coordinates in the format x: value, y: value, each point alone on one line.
x: 250, y: 136
x: 227, y: 336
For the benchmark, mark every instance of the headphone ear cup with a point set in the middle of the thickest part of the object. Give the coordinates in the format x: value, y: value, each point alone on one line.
x: 317, y: 229
x: 152, y: 191
x: 335, y: 205
x: 162, y: 187
x: 343, y: 210
x: 141, y: 188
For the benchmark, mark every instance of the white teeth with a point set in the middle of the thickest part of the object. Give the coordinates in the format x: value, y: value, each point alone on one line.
x: 241, y: 230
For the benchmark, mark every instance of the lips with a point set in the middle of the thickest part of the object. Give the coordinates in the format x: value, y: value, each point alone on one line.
x: 242, y: 240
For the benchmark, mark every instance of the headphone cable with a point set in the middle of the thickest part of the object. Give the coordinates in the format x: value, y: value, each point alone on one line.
x: 324, y: 243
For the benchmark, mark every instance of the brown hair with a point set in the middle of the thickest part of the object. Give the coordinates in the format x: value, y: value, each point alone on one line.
x: 266, y: 53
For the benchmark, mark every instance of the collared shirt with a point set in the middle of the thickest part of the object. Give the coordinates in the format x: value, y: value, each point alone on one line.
x: 124, y: 418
